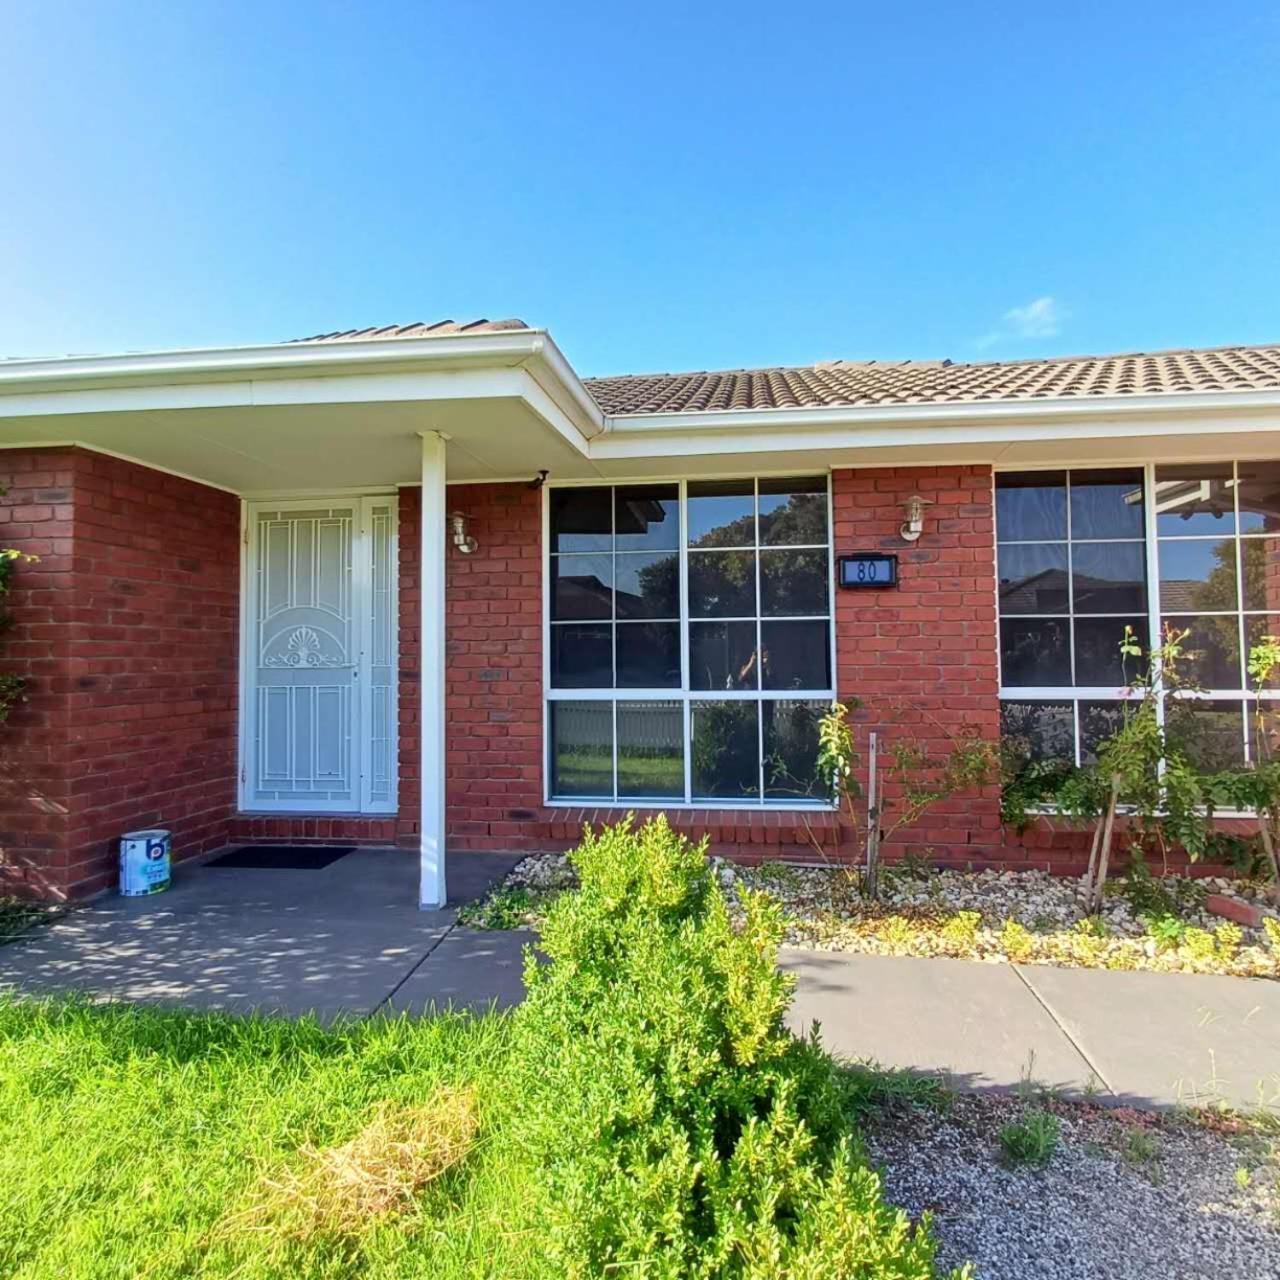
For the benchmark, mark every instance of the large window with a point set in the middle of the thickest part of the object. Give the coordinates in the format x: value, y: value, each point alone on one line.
x: 1084, y: 553
x: 690, y: 648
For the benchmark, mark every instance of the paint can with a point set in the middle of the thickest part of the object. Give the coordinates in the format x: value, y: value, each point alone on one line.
x: 144, y: 863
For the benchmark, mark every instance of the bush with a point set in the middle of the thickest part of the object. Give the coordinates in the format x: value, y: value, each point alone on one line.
x: 680, y: 1130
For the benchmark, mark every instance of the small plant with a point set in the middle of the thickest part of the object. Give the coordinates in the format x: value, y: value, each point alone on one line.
x: 1199, y: 945
x: 1149, y: 895
x: 1031, y: 1140
x: 897, y: 932
x: 1244, y: 1179
x: 509, y: 907
x: 1140, y: 1146
x: 1227, y: 940
x: 1167, y: 930
x: 1093, y: 927
x: 778, y: 873
x: 1271, y: 927
x: 871, y: 1087
x: 962, y: 930
x: 1017, y: 941
x: 915, y: 780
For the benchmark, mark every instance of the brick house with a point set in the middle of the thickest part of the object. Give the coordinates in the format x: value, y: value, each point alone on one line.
x: 425, y: 586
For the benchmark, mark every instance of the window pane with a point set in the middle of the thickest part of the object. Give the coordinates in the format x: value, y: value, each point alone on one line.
x: 581, y: 519
x: 581, y: 749
x: 791, y: 750
x: 1106, y: 504
x: 1260, y: 565
x: 648, y: 517
x: 1098, y: 722
x: 1210, y: 651
x: 1210, y: 733
x: 648, y: 655
x: 1033, y: 578
x: 648, y: 585
x: 1040, y: 730
x: 1255, y: 629
x: 1198, y: 576
x: 651, y: 749
x: 580, y: 587
x: 1109, y: 577
x: 796, y: 655
x: 722, y: 584
x: 722, y: 655
x: 721, y: 513
x: 726, y: 751
x: 1098, y: 657
x: 793, y: 582
x: 1031, y: 506
x: 793, y: 511
x: 1195, y: 499
x: 1034, y: 652
x: 581, y: 656
x: 1259, y: 489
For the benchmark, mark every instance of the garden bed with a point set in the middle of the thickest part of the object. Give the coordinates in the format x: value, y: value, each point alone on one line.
x: 1025, y: 917
x: 1032, y: 1186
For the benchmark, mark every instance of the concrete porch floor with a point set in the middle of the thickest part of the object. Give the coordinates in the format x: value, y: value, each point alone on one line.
x: 347, y: 938
x: 350, y: 939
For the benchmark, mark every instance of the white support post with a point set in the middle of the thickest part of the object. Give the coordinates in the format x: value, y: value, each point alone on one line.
x: 431, y: 891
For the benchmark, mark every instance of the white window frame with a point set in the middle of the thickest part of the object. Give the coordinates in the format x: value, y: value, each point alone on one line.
x: 683, y: 694
x: 1075, y: 695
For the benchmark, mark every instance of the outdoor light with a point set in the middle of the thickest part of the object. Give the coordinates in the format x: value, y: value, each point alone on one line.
x: 913, y: 509
x: 461, y: 538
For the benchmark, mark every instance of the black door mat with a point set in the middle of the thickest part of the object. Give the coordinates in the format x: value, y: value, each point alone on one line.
x: 283, y: 857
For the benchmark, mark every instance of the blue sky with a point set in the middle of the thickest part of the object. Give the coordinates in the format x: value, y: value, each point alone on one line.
x: 664, y: 186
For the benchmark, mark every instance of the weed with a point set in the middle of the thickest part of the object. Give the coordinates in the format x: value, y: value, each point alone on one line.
x: 509, y: 907
x: 779, y: 874
x: 1140, y: 1146
x: 1030, y: 1141
x: 1169, y: 931
x: 16, y: 917
x: 871, y: 1087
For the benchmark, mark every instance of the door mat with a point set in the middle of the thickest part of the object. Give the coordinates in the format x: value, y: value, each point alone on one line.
x: 283, y: 857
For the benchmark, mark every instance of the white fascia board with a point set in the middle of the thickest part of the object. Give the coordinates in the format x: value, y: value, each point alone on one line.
x: 316, y: 358
x: 1005, y: 422
x: 519, y: 363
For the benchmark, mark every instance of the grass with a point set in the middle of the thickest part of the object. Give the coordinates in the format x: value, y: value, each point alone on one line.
x: 142, y: 1142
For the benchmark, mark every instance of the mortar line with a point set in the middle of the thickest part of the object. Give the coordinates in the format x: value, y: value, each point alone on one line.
x: 1062, y: 1026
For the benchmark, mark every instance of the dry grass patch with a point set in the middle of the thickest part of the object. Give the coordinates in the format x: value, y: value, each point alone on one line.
x: 344, y: 1191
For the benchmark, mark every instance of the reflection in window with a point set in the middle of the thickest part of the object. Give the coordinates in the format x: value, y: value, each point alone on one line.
x: 742, y: 644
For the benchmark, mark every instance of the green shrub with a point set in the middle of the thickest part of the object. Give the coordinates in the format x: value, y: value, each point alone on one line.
x: 1031, y: 1140
x: 679, y: 1129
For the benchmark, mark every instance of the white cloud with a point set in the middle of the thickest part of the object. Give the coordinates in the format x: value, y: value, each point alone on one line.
x: 1040, y: 318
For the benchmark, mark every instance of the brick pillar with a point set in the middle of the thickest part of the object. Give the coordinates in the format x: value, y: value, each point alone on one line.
x: 922, y: 657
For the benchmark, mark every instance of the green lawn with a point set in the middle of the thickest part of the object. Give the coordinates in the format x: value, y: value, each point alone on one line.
x: 127, y: 1137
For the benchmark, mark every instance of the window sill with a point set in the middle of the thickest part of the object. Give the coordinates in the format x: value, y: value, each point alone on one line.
x: 816, y: 807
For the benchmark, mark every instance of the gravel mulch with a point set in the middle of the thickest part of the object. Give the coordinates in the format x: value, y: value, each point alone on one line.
x: 1028, y: 917
x: 1126, y: 1195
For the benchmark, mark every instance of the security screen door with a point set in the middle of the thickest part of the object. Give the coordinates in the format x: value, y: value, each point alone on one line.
x: 320, y: 723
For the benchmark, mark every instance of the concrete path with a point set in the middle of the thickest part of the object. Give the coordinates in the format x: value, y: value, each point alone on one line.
x: 349, y: 939
x: 1146, y: 1038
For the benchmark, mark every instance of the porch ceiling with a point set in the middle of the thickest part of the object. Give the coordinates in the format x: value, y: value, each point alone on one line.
x: 263, y: 448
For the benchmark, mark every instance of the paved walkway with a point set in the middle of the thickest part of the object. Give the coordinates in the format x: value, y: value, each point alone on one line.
x: 349, y: 939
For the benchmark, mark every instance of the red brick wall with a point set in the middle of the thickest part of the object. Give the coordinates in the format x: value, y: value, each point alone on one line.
x: 922, y: 657
x: 493, y: 643
x: 36, y: 517
x: 132, y: 717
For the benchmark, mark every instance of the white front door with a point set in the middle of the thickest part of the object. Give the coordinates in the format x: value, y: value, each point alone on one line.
x: 320, y: 657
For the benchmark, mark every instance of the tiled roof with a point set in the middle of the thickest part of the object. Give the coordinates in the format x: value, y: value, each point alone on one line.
x: 417, y: 330
x: 850, y: 383
x: 863, y: 383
